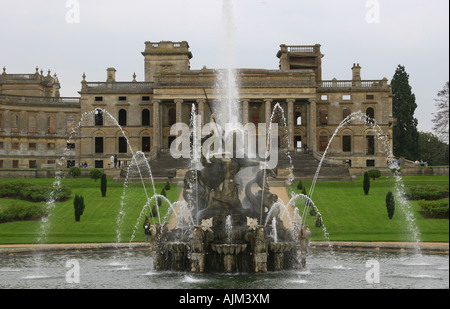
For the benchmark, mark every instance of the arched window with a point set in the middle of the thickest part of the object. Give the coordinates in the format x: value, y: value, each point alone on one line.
x: 98, y: 117
x: 172, y: 116
x: 145, y: 117
x: 122, y: 117
x: 370, y: 113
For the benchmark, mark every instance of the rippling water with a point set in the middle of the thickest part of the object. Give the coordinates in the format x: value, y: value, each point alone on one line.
x: 134, y: 269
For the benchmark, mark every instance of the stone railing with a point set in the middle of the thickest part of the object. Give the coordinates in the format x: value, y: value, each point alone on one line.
x: 347, y: 84
x: 244, y: 79
x: 7, y: 98
x: 116, y: 86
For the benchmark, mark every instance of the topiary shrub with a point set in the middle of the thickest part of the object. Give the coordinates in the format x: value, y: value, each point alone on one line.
x: 95, y: 174
x: 299, y: 185
x: 374, y: 174
x: 366, y: 183
x: 103, y: 185
x: 78, y: 205
x: 319, y: 221
x: 74, y: 171
x: 390, y: 204
x: 167, y: 186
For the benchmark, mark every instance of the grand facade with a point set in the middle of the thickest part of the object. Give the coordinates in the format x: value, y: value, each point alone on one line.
x: 38, y: 127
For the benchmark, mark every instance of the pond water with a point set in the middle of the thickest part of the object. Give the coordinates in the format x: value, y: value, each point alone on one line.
x: 134, y: 270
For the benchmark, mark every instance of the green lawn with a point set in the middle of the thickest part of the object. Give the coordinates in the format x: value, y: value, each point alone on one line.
x: 99, y: 221
x: 348, y: 214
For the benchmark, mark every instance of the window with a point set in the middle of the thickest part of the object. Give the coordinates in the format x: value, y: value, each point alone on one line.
x: 70, y: 163
x: 15, y: 146
x: 98, y: 163
x: 298, y: 116
x: 99, y: 145
x: 370, y: 97
x: 146, y: 144
x: 31, y: 146
x: 370, y: 163
x: 32, y: 164
x: 1, y: 122
x: 145, y: 117
x: 255, y: 115
x: 324, y: 97
x: 50, y: 145
x: 370, y: 142
x: 1, y: 163
x: 122, y: 117
x: 71, y: 124
x: 122, y: 144
x: 323, y: 116
x: 15, y: 163
x: 98, y: 99
x: 98, y: 117
x: 122, y: 98
x: 146, y: 98
x: 346, y: 143
x: 70, y: 146
x: 346, y: 97
x: 345, y: 113
x: 172, y: 114
x: 370, y: 116
x: 1, y: 145
x: 323, y: 142
x: 51, y: 125
x: 15, y: 124
x: 32, y: 124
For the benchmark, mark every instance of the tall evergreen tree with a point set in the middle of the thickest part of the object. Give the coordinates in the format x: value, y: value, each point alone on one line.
x: 440, y: 119
x: 406, y: 136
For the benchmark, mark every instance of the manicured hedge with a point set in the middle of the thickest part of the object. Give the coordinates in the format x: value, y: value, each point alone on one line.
x: 435, y: 209
x: 32, y: 192
x: 22, y: 211
x: 426, y: 193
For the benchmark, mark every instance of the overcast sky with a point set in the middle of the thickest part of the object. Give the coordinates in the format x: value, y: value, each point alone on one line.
x: 377, y: 34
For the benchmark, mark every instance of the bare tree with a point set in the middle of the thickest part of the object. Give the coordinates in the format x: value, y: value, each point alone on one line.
x: 441, y: 117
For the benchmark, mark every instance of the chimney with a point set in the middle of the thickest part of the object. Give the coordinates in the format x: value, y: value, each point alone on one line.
x: 356, y: 72
x: 111, y: 75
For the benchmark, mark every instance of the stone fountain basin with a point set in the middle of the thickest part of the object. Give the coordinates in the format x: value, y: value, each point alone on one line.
x: 279, y: 247
x: 177, y: 246
x: 228, y: 248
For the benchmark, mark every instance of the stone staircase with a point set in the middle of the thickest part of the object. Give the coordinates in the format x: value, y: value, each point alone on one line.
x: 305, y: 167
x: 164, y: 166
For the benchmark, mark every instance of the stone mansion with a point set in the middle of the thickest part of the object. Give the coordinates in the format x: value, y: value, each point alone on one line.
x: 38, y: 126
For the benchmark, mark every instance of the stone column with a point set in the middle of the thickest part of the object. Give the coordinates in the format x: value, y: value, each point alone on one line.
x: 179, y: 112
x: 156, y: 125
x: 268, y: 108
x: 244, y: 112
x: 312, y: 123
x: 201, y: 110
x: 290, y: 123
